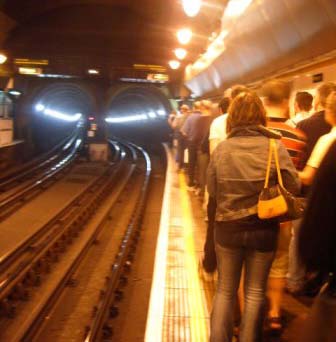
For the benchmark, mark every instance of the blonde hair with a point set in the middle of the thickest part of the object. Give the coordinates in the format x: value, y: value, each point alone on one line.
x: 331, y: 103
x: 245, y: 110
x: 324, y: 91
x: 206, y: 104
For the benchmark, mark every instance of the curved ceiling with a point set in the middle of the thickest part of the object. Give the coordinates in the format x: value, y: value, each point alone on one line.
x: 270, y: 38
x: 104, y: 33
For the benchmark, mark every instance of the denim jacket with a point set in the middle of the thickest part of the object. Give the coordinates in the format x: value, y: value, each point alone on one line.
x: 237, y: 171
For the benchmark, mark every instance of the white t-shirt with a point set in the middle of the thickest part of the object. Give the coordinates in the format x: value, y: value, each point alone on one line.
x: 218, y: 128
x: 321, y: 148
x: 297, y: 118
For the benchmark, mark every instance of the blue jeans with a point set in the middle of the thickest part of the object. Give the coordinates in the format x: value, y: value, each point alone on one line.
x: 230, y: 262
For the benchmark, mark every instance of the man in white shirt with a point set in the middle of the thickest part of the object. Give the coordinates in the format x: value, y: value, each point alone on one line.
x: 302, y: 106
x: 218, y: 126
x: 323, y: 144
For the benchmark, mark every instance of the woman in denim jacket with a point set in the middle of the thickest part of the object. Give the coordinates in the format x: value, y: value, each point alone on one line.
x: 236, y: 176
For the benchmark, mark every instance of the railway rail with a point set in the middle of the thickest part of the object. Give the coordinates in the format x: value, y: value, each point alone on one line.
x: 42, y: 267
x: 16, y: 190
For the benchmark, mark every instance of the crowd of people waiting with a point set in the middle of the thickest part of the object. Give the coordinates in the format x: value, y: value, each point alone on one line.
x: 257, y: 258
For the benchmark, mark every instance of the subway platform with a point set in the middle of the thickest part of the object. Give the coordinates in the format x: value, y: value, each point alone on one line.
x: 180, y: 301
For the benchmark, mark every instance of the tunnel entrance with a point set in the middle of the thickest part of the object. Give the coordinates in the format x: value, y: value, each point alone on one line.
x: 138, y: 113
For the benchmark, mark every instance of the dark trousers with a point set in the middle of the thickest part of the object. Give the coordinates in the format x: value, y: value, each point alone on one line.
x: 192, y: 162
x: 181, y: 146
x: 209, y: 260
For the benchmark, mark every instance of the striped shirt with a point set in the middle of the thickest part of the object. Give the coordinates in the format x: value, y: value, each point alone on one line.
x: 294, y: 140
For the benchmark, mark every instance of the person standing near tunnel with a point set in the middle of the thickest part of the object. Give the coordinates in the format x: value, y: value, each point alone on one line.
x: 176, y: 123
x: 191, y: 135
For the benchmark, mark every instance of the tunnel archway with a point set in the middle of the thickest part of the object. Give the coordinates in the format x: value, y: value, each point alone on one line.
x: 53, y: 111
x: 138, y: 113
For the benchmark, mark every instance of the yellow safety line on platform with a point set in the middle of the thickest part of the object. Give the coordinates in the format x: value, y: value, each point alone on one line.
x: 198, y: 324
x: 156, y: 305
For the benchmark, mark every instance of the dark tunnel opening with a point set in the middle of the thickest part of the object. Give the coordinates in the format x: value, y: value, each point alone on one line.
x: 138, y: 113
x: 53, y: 112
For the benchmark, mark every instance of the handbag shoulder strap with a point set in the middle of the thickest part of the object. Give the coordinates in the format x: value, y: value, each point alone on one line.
x: 277, y: 164
x: 273, y: 149
x: 268, y: 169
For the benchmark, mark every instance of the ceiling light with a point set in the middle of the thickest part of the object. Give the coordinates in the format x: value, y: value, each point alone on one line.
x: 14, y: 92
x: 174, y: 64
x: 3, y: 58
x: 236, y: 7
x: 93, y: 72
x: 30, y: 71
x: 184, y: 36
x: 191, y: 7
x: 180, y: 53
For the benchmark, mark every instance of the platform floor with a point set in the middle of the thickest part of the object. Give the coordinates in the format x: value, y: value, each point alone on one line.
x: 180, y: 303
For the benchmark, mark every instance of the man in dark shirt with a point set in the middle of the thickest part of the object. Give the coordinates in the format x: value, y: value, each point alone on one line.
x: 316, y: 126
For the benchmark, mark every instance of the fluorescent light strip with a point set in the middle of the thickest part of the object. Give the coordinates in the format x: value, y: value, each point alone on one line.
x: 56, y: 114
x: 130, y: 118
x: 157, y: 296
x: 235, y: 8
x: 62, y: 116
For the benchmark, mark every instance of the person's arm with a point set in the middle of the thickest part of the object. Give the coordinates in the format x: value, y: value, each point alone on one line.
x: 211, y: 177
x: 213, y: 144
x: 307, y: 175
x: 319, y: 151
x: 289, y: 174
x: 185, y: 129
x: 171, y: 120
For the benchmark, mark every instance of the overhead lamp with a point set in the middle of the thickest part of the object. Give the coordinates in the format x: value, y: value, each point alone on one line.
x: 180, y: 53
x: 3, y: 58
x: 184, y: 35
x: 14, y: 92
x: 235, y: 8
x: 191, y: 7
x: 93, y: 72
x: 174, y: 64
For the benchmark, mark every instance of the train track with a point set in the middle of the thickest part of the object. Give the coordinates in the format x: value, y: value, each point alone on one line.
x: 15, y: 191
x: 38, y: 272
